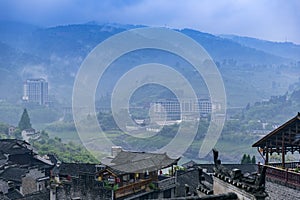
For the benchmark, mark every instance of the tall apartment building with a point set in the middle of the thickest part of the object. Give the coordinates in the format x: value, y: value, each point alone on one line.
x: 36, y: 91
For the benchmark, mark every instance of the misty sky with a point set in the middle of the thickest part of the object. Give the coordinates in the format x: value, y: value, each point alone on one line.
x: 276, y: 20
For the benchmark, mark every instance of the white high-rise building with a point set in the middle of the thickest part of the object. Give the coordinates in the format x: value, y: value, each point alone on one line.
x: 182, y: 110
x: 36, y: 91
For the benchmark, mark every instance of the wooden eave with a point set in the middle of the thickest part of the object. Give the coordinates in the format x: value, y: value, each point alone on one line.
x: 285, y: 134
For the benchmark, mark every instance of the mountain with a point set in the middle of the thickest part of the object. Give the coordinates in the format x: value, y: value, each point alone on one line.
x: 15, y: 64
x: 283, y: 49
x: 251, y: 71
x: 223, y: 49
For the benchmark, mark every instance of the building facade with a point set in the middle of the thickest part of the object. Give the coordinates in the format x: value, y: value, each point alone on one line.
x: 186, y: 109
x: 36, y: 91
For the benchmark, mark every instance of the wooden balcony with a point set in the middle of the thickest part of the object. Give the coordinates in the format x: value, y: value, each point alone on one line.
x: 132, y: 188
x: 286, y: 176
x: 142, y: 185
x: 289, y: 165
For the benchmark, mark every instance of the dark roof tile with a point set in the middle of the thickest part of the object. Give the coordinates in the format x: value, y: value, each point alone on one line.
x: 13, y: 174
x: 74, y: 169
x: 245, y: 168
x: 140, y: 162
x: 44, y: 195
x: 14, y: 146
x: 14, y: 194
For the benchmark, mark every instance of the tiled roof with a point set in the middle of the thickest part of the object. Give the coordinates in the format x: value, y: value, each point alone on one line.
x: 189, y: 177
x: 74, y: 169
x: 44, y: 195
x: 14, y: 146
x: 189, y: 164
x: 14, y: 194
x: 29, y: 160
x: 140, y: 162
x: 52, y: 158
x: 2, y: 156
x: 13, y: 174
x: 3, y: 197
x: 245, y: 168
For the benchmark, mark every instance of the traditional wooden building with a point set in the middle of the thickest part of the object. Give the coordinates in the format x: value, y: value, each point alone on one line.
x: 132, y: 173
x: 282, y: 140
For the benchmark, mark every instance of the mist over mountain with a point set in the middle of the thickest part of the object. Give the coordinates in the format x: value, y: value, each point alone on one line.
x: 251, y: 69
x: 281, y: 49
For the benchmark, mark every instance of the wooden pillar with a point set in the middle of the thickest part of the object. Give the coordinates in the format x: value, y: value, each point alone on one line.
x: 267, y: 155
x: 283, y: 152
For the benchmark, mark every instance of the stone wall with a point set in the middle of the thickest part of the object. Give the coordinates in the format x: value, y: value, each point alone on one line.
x: 74, y: 189
x: 29, y: 181
x: 222, y: 187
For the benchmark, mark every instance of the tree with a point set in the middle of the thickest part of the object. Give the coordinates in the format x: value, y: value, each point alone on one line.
x: 248, y: 159
x: 24, y: 122
x: 243, y: 161
x: 3, y: 128
x: 253, y: 160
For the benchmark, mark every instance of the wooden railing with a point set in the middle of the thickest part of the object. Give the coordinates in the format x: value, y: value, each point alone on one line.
x: 132, y: 188
x: 290, y: 165
x: 142, y: 185
x: 285, y: 176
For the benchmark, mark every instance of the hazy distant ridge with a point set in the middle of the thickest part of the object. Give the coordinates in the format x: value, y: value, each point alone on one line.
x: 30, y: 51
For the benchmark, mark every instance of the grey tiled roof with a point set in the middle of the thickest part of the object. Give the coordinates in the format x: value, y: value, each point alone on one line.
x: 3, y: 197
x: 74, y: 169
x: 2, y: 156
x: 189, y: 177
x: 245, y: 168
x: 13, y: 174
x: 14, y: 146
x: 14, y: 194
x: 42, y: 195
x: 189, y: 164
x: 140, y: 162
x: 29, y: 160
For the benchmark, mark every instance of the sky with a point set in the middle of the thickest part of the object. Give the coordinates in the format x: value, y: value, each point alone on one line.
x: 274, y: 20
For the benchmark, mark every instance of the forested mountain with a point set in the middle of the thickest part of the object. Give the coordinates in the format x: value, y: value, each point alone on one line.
x: 252, y: 69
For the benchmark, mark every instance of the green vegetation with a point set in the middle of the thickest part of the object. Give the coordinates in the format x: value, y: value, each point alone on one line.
x: 10, y: 113
x: 274, y: 111
x: 24, y: 122
x: 66, y: 152
x: 246, y: 127
x: 247, y: 160
x: 39, y: 115
x: 4, y: 128
x: 61, y: 126
x: 69, y: 152
x: 107, y: 122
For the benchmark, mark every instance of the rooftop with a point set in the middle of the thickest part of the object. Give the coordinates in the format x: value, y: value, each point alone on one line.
x: 74, y: 169
x: 139, y: 162
x: 287, y: 134
x: 13, y: 174
x: 14, y: 146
